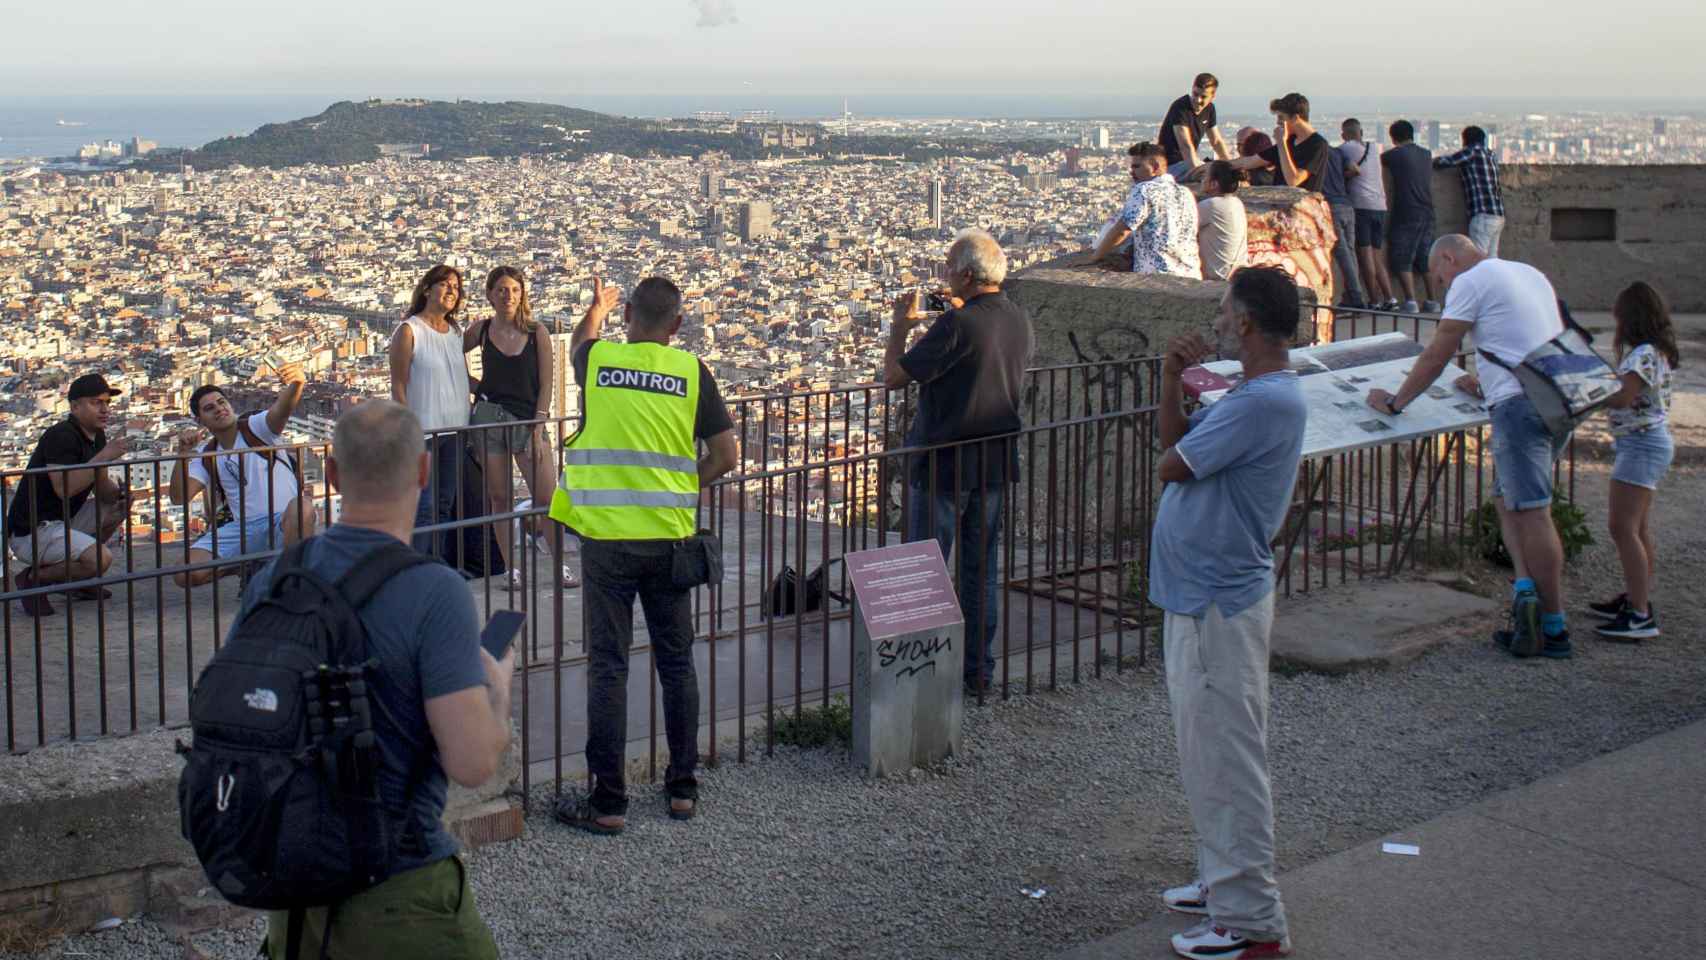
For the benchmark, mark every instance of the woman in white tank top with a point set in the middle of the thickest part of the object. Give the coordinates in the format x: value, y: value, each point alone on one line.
x: 430, y: 375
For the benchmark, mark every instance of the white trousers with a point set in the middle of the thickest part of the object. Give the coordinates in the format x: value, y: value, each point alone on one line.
x: 1217, y: 681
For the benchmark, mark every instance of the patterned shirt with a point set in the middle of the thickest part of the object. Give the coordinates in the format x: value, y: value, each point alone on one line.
x: 1162, y: 217
x: 1480, y: 179
x: 1649, y: 409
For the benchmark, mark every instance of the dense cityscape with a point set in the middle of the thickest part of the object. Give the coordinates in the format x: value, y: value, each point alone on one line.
x: 166, y: 281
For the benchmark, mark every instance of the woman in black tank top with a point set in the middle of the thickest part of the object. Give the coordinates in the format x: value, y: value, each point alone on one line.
x: 515, y: 385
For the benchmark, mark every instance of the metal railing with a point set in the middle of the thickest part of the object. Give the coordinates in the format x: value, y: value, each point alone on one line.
x: 824, y: 472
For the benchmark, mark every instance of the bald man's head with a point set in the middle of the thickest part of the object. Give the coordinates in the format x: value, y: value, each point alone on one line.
x: 1451, y: 255
x: 376, y: 453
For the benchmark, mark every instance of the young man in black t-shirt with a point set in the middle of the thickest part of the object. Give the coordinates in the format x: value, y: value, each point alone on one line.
x: 1412, y: 222
x: 1188, y: 120
x: 1299, y: 154
x: 55, y: 529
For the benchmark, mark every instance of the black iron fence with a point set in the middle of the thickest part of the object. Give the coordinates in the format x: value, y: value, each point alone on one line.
x: 824, y: 472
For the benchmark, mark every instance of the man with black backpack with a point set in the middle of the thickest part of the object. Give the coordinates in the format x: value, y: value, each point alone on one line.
x: 261, y: 488
x: 350, y: 687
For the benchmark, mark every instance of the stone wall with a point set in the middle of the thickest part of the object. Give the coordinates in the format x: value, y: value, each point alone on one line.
x: 1656, y: 217
x: 1086, y: 313
x: 1108, y: 314
x: 90, y: 830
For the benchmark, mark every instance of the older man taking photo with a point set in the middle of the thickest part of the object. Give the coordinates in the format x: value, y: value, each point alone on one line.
x: 970, y: 366
x: 1229, y: 475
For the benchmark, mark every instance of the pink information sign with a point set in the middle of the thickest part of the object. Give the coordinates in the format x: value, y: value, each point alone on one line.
x: 903, y: 589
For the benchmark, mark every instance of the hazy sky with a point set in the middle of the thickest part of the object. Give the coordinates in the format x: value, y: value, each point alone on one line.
x: 359, y: 48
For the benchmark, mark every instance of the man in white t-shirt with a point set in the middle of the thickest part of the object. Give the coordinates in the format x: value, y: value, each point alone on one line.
x: 1364, y: 182
x: 1511, y: 308
x: 261, y: 489
x: 1223, y: 233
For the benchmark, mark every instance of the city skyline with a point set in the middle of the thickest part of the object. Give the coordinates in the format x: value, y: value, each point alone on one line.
x: 766, y: 48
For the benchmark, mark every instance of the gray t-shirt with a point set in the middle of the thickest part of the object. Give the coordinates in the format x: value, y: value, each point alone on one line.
x: 1368, y: 187
x: 1214, y: 534
x: 425, y: 632
x: 1223, y: 236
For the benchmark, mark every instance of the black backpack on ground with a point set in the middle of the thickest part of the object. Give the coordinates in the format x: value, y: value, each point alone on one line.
x: 788, y: 593
x: 280, y: 792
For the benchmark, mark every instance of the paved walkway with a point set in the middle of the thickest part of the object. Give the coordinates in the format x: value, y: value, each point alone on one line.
x: 1600, y: 861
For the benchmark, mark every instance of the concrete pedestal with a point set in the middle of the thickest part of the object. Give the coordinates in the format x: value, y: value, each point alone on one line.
x: 908, y: 658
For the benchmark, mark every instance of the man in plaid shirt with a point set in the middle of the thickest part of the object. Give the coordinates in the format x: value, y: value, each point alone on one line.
x: 1481, y: 194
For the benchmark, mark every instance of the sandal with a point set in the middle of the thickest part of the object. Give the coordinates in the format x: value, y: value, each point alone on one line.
x: 677, y: 813
x: 571, y: 579
x: 579, y: 812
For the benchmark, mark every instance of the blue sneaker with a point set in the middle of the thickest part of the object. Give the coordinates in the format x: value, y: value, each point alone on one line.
x: 1558, y: 647
x: 1526, y: 638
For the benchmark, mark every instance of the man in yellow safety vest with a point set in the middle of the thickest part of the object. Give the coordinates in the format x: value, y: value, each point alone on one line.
x: 629, y: 489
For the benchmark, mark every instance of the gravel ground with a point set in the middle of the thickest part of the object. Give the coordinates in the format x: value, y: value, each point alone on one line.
x: 1074, y: 791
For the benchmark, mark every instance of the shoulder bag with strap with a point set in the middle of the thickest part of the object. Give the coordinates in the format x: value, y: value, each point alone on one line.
x: 1565, y: 378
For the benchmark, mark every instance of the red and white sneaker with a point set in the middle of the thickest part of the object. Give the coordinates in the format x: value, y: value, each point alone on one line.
x: 1205, y: 941
x: 1190, y: 898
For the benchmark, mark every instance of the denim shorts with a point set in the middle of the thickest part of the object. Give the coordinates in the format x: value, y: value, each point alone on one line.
x: 496, y: 440
x: 1643, y: 457
x: 1407, y: 246
x: 1524, y: 453
x: 1371, y: 228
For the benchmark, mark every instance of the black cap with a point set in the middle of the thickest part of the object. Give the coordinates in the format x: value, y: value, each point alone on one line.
x: 89, y: 385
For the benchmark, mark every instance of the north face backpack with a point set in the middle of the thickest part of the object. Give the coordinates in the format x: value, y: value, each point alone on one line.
x: 280, y: 791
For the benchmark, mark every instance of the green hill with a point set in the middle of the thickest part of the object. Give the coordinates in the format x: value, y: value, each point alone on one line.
x: 349, y: 132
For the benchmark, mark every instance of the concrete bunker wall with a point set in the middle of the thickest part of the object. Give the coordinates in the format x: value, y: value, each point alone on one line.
x: 1594, y: 229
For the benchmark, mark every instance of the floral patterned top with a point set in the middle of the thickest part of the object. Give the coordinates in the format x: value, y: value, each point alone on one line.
x: 1651, y: 407
x: 1162, y: 217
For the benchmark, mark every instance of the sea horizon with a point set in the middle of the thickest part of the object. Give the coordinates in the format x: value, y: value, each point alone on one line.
x: 57, y: 126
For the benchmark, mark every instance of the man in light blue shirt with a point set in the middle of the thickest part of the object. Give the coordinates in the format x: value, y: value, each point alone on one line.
x: 1229, y: 478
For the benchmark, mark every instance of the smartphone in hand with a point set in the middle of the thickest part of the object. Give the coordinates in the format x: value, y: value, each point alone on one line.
x: 501, y: 631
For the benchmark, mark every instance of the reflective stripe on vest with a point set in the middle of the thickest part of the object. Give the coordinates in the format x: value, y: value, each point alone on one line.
x: 631, y: 458
x: 631, y: 471
x: 632, y: 498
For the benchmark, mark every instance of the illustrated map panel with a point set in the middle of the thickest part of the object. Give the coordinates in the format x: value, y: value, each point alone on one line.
x: 1336, y: 379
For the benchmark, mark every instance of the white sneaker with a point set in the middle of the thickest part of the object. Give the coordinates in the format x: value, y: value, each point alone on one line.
x: 1410, y: 306
x: 1205, y: 941
x: 1190, y: 898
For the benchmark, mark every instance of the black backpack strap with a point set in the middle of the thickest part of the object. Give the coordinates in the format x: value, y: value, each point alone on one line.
x: 210, y: 466
x: 1495, y: 360
x: 289, y: 559
x: 293, y: 933
x: 376, y: 569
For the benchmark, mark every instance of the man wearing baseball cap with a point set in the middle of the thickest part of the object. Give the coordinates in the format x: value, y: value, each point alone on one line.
x: 55, y: 529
